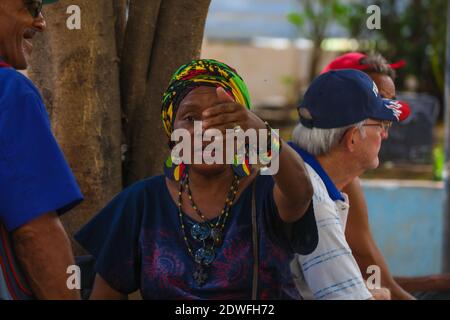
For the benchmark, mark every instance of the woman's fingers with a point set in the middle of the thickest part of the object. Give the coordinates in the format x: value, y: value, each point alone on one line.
x: 223, y: 96
x: 229, y: 120
x: 228, y: 107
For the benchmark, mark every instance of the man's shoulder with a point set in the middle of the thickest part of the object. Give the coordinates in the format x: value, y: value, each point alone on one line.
x: 320, y: 190
x: 14, y: 84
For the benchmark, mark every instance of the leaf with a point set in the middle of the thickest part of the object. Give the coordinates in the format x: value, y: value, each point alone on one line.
x: 340, y: 10
x: 296, y: 19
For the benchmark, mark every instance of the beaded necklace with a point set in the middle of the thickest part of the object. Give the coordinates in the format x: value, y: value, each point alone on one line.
x: 210, y: 234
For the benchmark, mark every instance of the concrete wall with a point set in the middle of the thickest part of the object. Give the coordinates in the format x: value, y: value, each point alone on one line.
x: 407, y: 220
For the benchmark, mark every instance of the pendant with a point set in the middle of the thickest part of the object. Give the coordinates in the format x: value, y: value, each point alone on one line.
x: 216, y: 236
x: 200, y: 275
x: 204, y: 256
x: 200, y: 231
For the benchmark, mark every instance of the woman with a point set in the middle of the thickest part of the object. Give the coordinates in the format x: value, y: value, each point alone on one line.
x: 188, y: 234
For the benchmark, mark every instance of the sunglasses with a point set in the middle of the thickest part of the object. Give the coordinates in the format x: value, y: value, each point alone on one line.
x: 34, y: 7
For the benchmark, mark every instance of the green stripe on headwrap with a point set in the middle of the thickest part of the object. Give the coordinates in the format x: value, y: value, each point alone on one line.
x: 204, y: 72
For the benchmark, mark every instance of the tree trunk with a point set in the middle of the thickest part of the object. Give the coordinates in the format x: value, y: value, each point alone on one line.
x: 93, y: 108
x: 138, y: 43
x: 316, y: 55
x: 85, y: 99
x: 178, y: 38
x: 120, y: 14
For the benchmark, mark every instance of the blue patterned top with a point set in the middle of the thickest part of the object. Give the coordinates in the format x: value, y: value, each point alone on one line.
x: 138, y: 244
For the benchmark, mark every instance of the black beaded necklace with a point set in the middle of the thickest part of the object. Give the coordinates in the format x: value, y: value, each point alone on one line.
x: 210, y: 234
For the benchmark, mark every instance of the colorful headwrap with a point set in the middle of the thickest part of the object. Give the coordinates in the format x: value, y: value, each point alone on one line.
x: 204, y: 72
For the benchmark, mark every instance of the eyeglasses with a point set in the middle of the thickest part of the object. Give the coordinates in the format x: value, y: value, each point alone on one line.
x: 34, y: 7
x: 384, y: 125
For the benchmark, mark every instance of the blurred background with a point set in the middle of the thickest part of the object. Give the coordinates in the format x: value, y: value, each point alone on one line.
x: 102, y: 85
x: 279, y: 46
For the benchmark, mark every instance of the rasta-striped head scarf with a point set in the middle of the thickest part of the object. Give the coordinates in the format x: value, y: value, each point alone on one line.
x: 204, y: 72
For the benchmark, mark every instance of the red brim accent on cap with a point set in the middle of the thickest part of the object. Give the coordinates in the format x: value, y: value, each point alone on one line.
x: 406, y: 111
x: 400, y: 109
x: 399, y: 64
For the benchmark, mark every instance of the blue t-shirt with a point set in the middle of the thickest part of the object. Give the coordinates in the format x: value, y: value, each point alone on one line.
x: 138, y: 244
x: 35, y: 179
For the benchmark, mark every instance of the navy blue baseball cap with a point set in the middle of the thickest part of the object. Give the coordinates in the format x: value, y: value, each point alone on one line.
x: 340, y: 98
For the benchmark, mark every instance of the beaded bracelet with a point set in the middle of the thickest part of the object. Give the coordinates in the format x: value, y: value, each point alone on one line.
x: 273, y: 142
x: 273, y: 139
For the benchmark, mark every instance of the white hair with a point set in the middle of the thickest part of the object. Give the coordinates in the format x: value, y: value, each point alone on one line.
x: 321, y: 141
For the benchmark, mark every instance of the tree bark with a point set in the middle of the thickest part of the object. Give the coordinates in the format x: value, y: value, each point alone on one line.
x: 138, y: 43
x: 41, y: 70
x: 85, y: 101
x: 120, y: 14
x: 178, y: 39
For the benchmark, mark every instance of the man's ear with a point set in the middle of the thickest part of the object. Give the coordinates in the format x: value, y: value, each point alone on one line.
x: 349, y: 139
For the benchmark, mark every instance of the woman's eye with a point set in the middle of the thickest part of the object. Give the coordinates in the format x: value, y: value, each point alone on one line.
x: 190, y: 118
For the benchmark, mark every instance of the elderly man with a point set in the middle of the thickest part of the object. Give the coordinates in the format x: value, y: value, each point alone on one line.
x: 36, y: 184
x: 357, y: 232
x: 343, y: 120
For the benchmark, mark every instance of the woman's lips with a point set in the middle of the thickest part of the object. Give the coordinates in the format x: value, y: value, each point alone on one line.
x: 201, y: 153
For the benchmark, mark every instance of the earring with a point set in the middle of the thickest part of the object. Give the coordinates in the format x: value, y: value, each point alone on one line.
x: 173, y: 171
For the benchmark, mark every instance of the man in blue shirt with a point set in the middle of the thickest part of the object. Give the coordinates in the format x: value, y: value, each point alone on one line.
x: 36, y: 184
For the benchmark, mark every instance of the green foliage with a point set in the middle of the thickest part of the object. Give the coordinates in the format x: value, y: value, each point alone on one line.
x: 296, y: 19
x: 313, y: 22
x: 413, y: 30
x: 319, y: 13
x: 438, y: 163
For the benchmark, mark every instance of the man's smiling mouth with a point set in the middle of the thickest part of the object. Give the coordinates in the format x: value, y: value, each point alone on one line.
x: 27, y: 36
